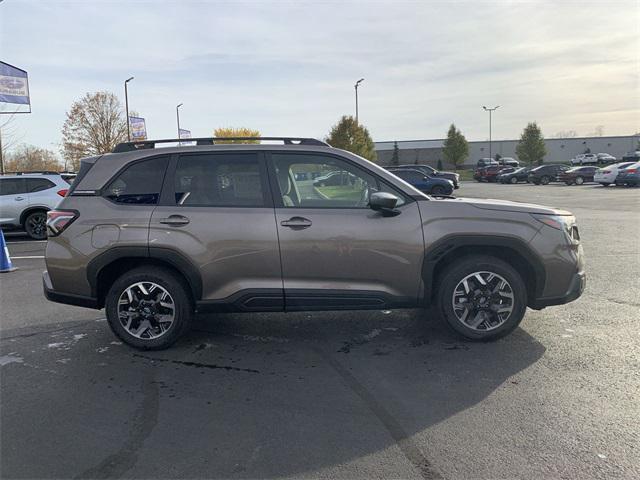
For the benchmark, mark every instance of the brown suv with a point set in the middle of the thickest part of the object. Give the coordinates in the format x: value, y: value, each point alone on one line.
x: 156, y: 234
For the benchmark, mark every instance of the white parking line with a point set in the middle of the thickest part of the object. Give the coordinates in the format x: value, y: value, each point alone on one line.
x: 27, y: 257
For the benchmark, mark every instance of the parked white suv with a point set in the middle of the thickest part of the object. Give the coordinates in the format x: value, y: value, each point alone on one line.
x: 25, y: 199
x: 585, y: 159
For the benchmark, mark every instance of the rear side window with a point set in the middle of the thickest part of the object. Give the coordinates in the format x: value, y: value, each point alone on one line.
x: 219, y: 180
x: 139, y: 184
x: 12, y: 186
x: 38, y: 184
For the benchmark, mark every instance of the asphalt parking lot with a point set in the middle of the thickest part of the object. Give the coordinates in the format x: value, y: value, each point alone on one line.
x: 336, y: 395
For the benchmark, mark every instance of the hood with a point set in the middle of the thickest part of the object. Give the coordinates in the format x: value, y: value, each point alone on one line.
x: 508, y: 206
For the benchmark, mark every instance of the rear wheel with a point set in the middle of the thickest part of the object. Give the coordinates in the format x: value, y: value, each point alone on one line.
x: 482, y: 297
x: 579, y: 180
x: 149, y: 308
x: 604, y: 184
x: 545, y: 179
x: 36, y: 225
x: 568, y: 183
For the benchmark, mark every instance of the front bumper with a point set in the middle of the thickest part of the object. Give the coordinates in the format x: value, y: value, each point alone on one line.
x: 576, y: 287
x: 66, y: 298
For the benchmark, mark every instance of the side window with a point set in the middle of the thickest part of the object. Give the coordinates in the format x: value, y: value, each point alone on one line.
x: 12, y: 186
x: 219, y: 180
x: 319, y: 181
x: 139, y: 184
x: 38, y: 184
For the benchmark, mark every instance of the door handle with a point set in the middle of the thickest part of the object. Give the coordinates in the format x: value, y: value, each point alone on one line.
x: 296, y: 223
x: 175, y: 220
x: 19, y: 199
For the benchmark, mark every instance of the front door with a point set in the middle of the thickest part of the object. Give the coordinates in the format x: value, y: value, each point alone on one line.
x: 336, y: 252
x: 216, y: 213
x: 14, y: 199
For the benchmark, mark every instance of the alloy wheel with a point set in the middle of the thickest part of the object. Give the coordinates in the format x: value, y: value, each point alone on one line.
x: 36, y: 225
x: 146, y: 310
x: 483, y: 301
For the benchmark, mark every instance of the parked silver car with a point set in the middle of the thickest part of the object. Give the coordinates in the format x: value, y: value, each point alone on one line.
x: 155, y: 235
x: 25, y: 199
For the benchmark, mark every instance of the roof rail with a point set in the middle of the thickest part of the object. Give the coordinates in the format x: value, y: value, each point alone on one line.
x: 30, y: 172
x: 144, y: 144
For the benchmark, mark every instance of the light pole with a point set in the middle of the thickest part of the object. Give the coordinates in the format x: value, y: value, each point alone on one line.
x: 490, y: 110
x: 126, y: 103
x: 356, y: 87
x: 178, y: 118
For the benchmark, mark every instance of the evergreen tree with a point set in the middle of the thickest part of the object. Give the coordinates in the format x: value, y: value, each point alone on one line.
x: 395, y: 158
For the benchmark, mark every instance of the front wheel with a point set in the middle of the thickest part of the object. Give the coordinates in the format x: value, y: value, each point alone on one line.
x: 437, y: 190
x: 36, y: 225
x: 579, y: 180
x: 482, y: 297
x: 545, y: 180
x: 513, y: 180
x: 604, y: 184
x: 149, y: 308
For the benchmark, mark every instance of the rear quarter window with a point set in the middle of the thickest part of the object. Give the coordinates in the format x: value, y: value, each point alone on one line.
x: 39, y: 184
x: 139, y: 184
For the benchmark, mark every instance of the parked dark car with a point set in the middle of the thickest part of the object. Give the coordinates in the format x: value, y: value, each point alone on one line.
x: 518, y: 175
x: 509, y: 162
x: 545, y: 173
x: 577, y: 175
x: 424, y: 183
x: 431, y: 172
x: 485, y: 162
x: 629, y: 176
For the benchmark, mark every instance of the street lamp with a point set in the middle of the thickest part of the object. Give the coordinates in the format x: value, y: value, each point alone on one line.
x: 356, y: 87
x: 126, y: 103
x: 178, y: 118
x: 490, y: 110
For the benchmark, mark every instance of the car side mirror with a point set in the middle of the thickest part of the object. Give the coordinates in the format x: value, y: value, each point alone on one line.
x: 384, y: 203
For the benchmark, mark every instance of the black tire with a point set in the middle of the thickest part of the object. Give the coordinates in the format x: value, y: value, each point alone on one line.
x: 437, y: 190
x: 36, y: 225
x: 605, y: 184
x: 579, y: 181
x: 568, y: 183
x: 544, y: 180
x: 167, y: 279
x: 465, y: 266
x: 513, y: 180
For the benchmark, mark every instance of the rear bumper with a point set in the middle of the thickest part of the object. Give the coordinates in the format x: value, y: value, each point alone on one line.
x: 66, y: 298
x: 576, y: 287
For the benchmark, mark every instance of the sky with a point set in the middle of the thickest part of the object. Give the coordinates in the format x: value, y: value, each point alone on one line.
x: 289, y: 68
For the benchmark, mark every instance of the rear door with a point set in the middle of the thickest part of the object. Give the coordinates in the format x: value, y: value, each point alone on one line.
x: 14, y: 199
x: 42, y: 192
x: 217, y: 215
x: 337, y: 252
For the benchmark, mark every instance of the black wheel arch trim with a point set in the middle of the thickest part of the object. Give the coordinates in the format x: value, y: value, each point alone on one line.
x: 441, y: 248
x: 166, y: 255
x: 32, y: 209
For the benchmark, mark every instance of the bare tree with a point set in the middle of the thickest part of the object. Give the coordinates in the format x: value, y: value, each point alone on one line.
x: 598, y: 131
x: 95, y: 124
x: 28, y: 158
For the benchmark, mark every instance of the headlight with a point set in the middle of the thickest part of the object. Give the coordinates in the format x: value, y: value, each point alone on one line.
x: 559, y: 222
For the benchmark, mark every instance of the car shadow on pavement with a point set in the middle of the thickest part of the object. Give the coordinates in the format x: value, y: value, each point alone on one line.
x: 248, y: 396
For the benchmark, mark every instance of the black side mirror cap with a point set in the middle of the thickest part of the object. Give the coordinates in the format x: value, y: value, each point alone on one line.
x: 384, y: 203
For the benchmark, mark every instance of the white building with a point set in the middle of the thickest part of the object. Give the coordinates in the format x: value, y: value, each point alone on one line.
x: 559, y: 150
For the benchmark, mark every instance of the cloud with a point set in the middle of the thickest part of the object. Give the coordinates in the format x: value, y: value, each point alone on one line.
x: 289, y: 67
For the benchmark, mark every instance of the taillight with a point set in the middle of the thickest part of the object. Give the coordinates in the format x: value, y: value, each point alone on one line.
x: 59, y: 220
x: 632, y: 170
x: 63, y: 192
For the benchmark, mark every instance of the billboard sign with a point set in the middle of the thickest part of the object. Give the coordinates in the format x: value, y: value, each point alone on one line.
x: 14, y: 85
x: 138, y: 128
